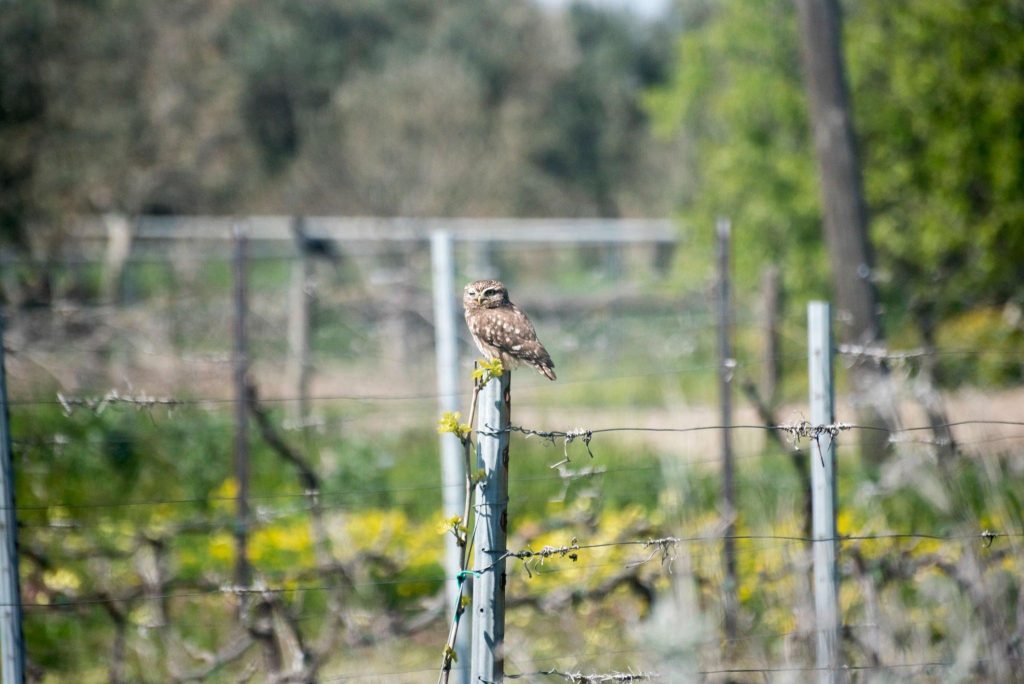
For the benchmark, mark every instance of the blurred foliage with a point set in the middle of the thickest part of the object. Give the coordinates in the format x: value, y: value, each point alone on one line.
x: 363, y: 107
x: 938, y: 97
x: 985, y: 346
x: 739, y: 105
x: 391, y: 107
x: 939, y: 94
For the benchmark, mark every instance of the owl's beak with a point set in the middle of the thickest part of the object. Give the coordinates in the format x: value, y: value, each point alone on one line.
x: 479, y: 299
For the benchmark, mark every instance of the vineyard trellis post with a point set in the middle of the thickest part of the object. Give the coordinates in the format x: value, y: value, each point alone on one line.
x: 12, y: 644
x: 726, y: 366
x: 489, y: 537
x: 300, y: 299
x: 118, y: 249
x: 823, y: 488
x: 243, y: 574
x: 442, y: 257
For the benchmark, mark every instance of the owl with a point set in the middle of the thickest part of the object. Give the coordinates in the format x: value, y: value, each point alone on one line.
x: 501, y: 330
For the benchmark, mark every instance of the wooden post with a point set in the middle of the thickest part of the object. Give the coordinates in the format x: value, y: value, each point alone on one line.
x: 119, y: 246
x: 823, y: 488
x: 453, y: 473
x: 299, y: 300
x: 243, y: 573
x: 398, y: 271
x: 771, y: 291
x: 491, y: 528
x: 12, y: 643
x: 725, y: 372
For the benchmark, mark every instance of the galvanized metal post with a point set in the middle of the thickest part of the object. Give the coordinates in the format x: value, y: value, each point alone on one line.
x: 726, y: 366
x: 453, y: 475
x: 12, y: 643
x: 299, y: 303
x: 491, y: 527
x: 823, y: 490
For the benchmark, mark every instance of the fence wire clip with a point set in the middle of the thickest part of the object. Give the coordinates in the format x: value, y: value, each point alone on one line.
x: 580, y: 678
x: 527, y: 555
x: 878, y: 354
x: 257, y: 587
x: 808, y: 430
x: 665, y: 546
x: 582, y: 434
x: 98, y: 404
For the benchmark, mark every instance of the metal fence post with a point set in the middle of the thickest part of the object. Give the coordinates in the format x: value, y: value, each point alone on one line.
x: 300, y: 298
x: 452, y: 471
x: 12, y: 644
x: 823, y: 488
x: 489, y: 538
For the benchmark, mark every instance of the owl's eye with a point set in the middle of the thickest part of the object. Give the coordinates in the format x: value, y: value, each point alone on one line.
x: 489, y: 291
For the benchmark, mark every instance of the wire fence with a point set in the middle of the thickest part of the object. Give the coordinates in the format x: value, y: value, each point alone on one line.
x: 663, y: 548
x: 126, y: 498
x: 652, y: 548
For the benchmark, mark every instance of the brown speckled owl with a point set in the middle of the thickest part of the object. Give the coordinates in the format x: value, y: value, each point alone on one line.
x: 501, y: 330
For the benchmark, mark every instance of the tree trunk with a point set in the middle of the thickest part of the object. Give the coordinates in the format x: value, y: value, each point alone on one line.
x: 845, y: 213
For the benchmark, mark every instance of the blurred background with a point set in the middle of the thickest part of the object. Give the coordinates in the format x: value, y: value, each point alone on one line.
x: 581, y: 152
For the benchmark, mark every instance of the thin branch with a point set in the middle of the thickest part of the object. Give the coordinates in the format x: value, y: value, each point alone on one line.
x: 287, y: 630
x: 562, y: 598
x: 213, y: 662
x: 448, y: 654
x: 308, y: 477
